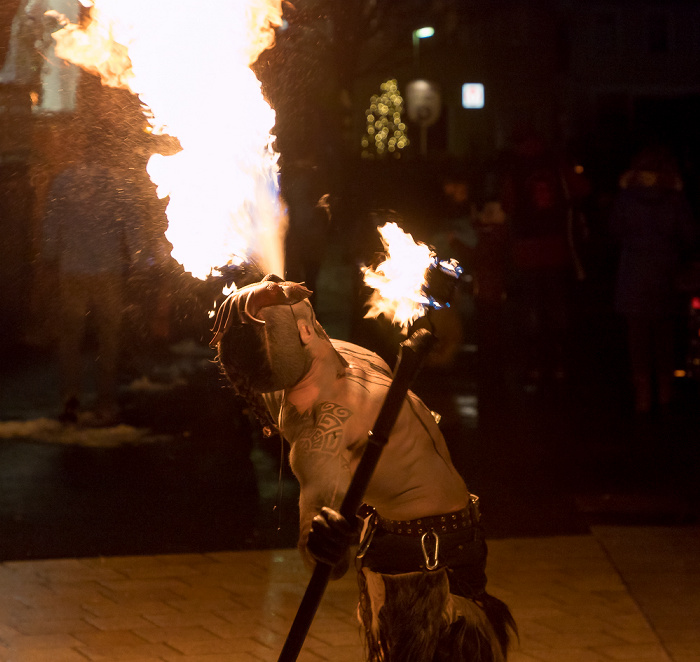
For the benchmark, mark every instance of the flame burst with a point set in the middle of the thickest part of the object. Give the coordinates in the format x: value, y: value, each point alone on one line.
x: 399, y: 280
x: 189, y: 64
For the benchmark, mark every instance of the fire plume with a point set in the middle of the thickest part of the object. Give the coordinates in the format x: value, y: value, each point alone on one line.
x: 399, y: 280
x: 189, y: 64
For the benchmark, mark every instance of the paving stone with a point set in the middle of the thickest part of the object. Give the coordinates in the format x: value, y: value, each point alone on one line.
x: 157, y: 635
x: 109, y: 609
x: 174, y: 656
x: 104, y: 639
x: 219, y: 646
x: 568, y: 655
x: 52, y: 626
x: 186, y: 619
x: 126, y: 622
x: 123, y: 653
x: 343, y: 653
x: 203, y: 593
x: 518, y: 656
x: 569, y: 600
x: 637, y: 652
x: 43, y: 655
x: 45, y: 641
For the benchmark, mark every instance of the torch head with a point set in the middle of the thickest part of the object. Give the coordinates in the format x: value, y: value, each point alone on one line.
x: 257, y: 337
x: 441, y: 279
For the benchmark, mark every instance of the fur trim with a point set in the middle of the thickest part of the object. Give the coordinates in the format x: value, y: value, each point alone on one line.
x: 413, y: 617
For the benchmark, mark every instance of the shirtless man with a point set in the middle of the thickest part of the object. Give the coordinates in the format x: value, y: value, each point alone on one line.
x: 423, y: 555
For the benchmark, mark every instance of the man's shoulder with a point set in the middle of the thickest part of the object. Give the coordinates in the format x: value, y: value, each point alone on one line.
x: 344, y: 346
x: 360, y: 357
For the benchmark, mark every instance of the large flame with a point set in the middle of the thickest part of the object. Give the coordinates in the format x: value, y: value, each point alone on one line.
x: 399, y: 280
x: 189, y: 63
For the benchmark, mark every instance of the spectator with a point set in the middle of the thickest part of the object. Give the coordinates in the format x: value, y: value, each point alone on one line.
x: 539, y: 195
x: 309, y: 222
x: 652, y: 220
x: 489, y: 263
x: 90, y: 239
x: 32, y: 58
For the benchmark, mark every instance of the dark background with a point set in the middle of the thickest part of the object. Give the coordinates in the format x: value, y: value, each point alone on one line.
x: 594, y: 80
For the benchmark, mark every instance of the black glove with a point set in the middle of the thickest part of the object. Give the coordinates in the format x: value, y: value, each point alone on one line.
x: 331, y: 535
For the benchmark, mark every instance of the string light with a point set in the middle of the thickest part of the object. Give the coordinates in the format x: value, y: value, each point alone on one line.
x: 385, y: 132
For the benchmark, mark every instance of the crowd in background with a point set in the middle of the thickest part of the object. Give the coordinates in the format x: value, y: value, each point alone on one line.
x: 539, y: 246
x: 557, y: 257
x: 545, y: 250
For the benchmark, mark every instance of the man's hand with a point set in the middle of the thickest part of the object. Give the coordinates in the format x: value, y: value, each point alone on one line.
x: 331, y: 536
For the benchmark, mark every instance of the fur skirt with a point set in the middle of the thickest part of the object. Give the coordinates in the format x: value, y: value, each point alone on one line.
x: 412, y: 614
x: 413, y: 617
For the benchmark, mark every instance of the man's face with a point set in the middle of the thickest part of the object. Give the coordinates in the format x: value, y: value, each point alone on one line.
x: 258, y: 337
x: 288, y: 360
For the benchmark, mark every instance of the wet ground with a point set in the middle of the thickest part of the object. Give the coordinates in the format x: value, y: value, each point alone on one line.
x: 200, y: 477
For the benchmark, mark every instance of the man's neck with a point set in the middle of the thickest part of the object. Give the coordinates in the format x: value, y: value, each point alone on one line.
x: 321, y: 379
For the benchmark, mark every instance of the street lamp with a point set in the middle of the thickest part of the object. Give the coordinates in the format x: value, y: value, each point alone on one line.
x: 423, y: 33
x: 420, y: 33
x: 423, y: 99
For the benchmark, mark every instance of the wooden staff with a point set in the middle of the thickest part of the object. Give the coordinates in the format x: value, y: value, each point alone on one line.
x: 412, y: 352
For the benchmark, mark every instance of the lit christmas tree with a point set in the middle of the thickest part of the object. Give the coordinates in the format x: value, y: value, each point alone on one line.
x: 386, y: 132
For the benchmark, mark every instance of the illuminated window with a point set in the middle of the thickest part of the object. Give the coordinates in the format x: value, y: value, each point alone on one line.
x: 472, y: 95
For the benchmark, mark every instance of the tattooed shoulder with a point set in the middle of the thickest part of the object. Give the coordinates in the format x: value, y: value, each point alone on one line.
x: 319, y: 430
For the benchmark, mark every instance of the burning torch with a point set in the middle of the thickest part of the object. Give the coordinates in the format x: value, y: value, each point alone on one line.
x: 395, y: 289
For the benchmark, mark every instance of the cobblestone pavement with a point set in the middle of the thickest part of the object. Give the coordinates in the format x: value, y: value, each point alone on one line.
x: 619, y: 594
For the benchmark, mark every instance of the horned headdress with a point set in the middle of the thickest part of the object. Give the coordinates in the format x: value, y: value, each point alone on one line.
x: 255, y: 331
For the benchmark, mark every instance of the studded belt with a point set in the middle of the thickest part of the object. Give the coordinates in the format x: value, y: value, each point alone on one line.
x: 447, y: 523
x: 427, y: 543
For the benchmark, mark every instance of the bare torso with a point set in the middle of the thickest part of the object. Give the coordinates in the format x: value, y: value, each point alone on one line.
x: 414, y: 477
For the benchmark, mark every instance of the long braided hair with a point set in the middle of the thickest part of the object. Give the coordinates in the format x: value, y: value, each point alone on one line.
x: 240, y: 383
x: 244, y: 349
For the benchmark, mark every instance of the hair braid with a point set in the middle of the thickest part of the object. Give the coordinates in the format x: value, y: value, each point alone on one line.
x: 241, y: 385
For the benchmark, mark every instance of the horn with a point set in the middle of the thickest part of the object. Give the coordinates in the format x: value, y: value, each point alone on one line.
x: 235, y: 308
x: 245, y: 304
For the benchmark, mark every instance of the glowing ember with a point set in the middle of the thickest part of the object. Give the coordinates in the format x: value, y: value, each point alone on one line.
x: 399, y: 280
x: 190, y: 65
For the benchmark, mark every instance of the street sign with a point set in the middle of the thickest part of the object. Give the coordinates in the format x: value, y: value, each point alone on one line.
x: 472, y: 95
x: 423, y: 102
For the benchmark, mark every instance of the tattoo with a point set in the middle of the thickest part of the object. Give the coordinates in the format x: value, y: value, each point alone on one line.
x: 320, y: 430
